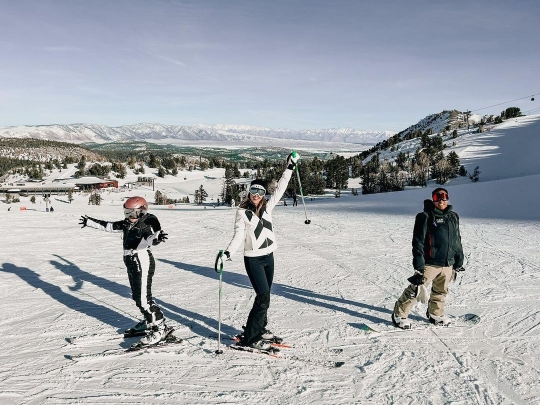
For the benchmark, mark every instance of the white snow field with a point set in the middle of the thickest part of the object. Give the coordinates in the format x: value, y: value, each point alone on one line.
x: 59, y: 282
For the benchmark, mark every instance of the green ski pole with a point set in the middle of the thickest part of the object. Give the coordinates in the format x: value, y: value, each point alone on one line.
x: 218, y: 267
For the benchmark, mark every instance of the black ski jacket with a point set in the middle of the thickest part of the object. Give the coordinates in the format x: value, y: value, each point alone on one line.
x: 139, y: 235
x: 436, y: 238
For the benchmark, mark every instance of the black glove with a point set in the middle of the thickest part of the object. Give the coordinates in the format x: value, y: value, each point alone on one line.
x: 226, y: 253
x: 291, y: 161
x: 83, y: 221
x: 456, y: 271
x: 417, y: 278
x: 162, y: 237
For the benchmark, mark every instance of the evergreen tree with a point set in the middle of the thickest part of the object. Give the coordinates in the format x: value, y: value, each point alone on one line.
x: 160, y: 198
x: 512, y: 112
x: 95, y: 198
x: 453, y: 160
x: 476, y: 175
x: 200, y: 195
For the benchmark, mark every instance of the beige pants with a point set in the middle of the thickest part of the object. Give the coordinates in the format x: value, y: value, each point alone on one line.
x: 440, y: 276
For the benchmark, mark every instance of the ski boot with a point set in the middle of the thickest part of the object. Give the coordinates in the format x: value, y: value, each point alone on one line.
x: 442, y: 320
x: 402, y: 323
x: 138, y: 330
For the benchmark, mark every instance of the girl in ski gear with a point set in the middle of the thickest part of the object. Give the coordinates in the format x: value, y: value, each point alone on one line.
x: 141, y: 231
x: 437, y: 255
x: 253, y: 227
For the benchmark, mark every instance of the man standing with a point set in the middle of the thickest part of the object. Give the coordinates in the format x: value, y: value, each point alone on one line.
x: 437, y: 255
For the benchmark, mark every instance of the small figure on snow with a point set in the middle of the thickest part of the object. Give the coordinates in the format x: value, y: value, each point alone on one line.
x: 437, y: 257
x: 141, y: 231
x: 253, y: 227
x: 295, y: 199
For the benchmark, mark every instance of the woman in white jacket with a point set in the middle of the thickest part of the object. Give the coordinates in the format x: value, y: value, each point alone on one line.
x: 253, y: 227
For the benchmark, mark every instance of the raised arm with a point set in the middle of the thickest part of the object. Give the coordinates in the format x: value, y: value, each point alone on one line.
x: 106, y: 226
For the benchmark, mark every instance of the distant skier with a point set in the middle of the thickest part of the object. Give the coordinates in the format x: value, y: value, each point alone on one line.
x: 141, y: 231
x: 253, y: 227
x: 295, y: 200
x: 437, y: 256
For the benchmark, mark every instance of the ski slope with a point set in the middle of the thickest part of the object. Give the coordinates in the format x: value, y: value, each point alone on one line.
x: 342, y: 271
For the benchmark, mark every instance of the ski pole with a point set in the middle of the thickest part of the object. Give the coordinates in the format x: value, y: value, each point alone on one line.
x: 219, y: 259
x: 307, y: 221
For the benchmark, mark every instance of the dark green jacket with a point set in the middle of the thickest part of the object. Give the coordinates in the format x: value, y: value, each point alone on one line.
x: 436, y: 239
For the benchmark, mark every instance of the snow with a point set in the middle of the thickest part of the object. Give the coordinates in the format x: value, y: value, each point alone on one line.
x: 342, y: 271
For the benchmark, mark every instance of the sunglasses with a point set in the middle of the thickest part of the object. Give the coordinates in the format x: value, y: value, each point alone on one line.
x: 257, y: 191
x: 442, y: 196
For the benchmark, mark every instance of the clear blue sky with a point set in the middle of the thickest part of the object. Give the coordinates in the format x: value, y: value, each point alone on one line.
x: 372, y: 65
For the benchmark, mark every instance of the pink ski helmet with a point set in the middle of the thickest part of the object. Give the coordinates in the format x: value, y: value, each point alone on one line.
x: 135, y: 207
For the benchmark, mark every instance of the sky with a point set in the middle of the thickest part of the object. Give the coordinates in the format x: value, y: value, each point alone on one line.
x: 283, y: 64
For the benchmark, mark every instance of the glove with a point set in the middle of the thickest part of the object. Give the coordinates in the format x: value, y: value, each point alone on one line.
x: 417, y: 278
x: 292, y: 159
x: 455, y: 273
x: 83, y: 221
x: 226, y: 253
x: 162, y: 237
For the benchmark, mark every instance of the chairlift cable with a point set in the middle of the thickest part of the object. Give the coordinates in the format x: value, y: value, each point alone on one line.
x: 506, y: 102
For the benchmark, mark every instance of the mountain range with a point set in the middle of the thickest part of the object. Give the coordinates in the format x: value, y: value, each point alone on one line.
x: 159, y: 133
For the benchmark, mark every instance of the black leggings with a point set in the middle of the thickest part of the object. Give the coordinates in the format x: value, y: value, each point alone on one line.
x: 260, y: 271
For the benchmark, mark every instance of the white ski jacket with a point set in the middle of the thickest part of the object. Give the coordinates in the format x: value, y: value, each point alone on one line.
x: 257, y: 233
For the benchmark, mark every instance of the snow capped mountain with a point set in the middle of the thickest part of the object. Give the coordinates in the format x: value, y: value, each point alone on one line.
x: 78, y: 133
x: 437, y: 122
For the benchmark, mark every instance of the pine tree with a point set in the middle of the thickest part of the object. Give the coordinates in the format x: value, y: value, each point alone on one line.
x: 200, y: 195
x: 476, y: 175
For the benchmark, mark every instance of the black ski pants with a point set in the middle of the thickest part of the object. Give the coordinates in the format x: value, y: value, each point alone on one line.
x: 260, y: 271
x: 141, y: 267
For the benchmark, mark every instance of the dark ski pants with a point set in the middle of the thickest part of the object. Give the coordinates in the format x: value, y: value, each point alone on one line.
x: 140, y: 268
x: 260, y: 271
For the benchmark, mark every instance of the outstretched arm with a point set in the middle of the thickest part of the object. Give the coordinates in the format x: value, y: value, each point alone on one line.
x: 116, y: 226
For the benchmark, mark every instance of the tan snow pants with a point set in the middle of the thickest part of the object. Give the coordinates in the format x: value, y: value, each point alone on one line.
x: 440, y: 277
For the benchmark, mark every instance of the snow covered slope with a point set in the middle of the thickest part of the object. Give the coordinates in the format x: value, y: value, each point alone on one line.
x: 334, y: 276
x: 505, y: 150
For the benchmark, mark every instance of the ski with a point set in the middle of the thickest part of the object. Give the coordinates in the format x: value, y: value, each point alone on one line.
x: 272, y: 352
x: 275, y: 352
x: 134, y: 349
x: 275, y: 341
